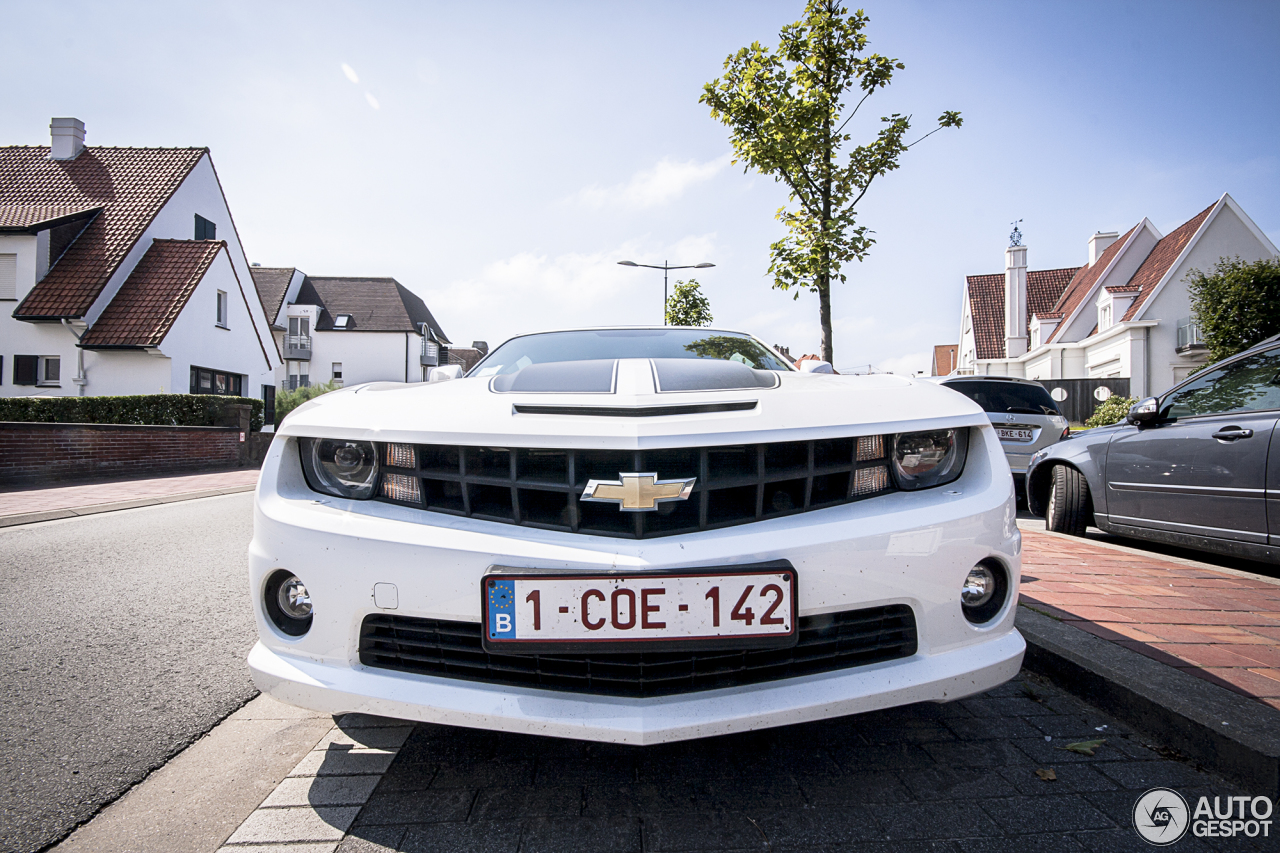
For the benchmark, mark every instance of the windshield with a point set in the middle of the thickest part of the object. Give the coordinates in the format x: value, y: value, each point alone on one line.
x: 1004, y: 397
x: 588, y: 344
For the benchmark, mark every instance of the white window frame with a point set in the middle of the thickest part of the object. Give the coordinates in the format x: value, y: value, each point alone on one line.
x: 342, y: 321
x: 223, y: 305
x: 42, y: 371
x: 1104, y: 316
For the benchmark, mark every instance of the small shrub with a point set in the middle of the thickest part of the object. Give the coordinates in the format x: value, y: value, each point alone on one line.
x: 287, y: 401
x: 1110, y: 411
x: 148, y: 409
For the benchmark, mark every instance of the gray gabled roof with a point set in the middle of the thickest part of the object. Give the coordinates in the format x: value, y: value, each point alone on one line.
x: 272, y: 284
x: 375, y: 305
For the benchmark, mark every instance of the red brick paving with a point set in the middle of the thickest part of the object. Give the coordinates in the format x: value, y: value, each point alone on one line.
x: 1214, y: 624
x: 39, y: 499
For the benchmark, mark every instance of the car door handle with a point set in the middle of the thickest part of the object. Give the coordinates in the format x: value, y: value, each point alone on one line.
x: 1232, y: 433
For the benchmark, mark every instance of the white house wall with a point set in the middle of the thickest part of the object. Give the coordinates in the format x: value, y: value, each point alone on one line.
x: 196, y: 340
x: 366, y: 356
x: 199, y: 193
x: 19, y: 338
x: 114, y: 372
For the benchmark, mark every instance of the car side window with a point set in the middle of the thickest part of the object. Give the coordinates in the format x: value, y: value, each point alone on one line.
x: 1248, y: 385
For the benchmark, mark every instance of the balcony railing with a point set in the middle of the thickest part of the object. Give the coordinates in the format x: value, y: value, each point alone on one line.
x: 430, y: 353
x: 1189, y: 335
x: 297, y: 346
x: 293, y: 383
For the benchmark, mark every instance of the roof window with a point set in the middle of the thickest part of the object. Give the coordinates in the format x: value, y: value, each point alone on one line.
x: 342, y: 321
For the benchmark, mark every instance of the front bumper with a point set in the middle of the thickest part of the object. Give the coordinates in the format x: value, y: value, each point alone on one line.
x: 920, y: 678
x: 912, y: 548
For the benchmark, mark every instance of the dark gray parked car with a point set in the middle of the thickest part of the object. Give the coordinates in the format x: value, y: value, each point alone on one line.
x: 1198, y: 466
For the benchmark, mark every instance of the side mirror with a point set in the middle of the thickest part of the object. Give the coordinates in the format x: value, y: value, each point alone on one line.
x: 1144, y: 411
x: 445, y: 373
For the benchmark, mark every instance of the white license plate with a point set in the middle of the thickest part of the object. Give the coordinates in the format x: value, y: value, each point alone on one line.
x: 694, y: 609
x: 1007, y: 434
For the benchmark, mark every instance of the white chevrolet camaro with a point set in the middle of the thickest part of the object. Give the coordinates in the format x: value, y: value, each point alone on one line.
x: 634, y: 535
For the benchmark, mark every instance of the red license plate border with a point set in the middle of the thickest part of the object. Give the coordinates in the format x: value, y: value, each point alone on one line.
x: 653, y: 644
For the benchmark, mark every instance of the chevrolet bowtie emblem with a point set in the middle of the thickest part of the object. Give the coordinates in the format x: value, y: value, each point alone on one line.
x: 638, y: 492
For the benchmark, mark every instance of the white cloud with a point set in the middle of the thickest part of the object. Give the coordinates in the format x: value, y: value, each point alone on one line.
x: 373, y: 102
x: 350, y: 72
x: 530, y: 292
x: 667, y: 180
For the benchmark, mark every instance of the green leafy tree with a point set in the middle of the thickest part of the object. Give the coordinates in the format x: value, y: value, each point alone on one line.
x: 687, y: 306
x: 1110, y: 411
x: 287, y: 401
x: 787, y: 112
x: 1236, y: 305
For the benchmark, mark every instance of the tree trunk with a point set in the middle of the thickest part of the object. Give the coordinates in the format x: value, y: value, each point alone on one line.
x: 824, y: 316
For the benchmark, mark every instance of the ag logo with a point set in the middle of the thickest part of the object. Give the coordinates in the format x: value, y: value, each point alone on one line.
x: 1161, y: 816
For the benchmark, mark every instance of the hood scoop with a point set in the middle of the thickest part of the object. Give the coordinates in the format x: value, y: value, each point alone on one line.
x: 598, y: 376
x: 697, y: 374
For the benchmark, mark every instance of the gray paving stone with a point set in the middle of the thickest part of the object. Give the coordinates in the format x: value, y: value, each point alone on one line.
x: 935, y: 820
x: 588, y: 771
x: 403, y: 776
x: 905, y: 756
x: 1046, y: 815
x: 987, y: 753
x: 321, y: 791
x: 1007, y: 706
x: 369, y: 720
x: 372, y: 737
x: 1044, y: 752
x: 853, y: 788
x: 1049, y: 844
x: 417, y: 806
x: 616, y: 834
x: 483, y: 837
x: 638, y: 798
x: 676, y: 833
x: 344, y: 762
x: 529, y: 801
x: 1072, y: 778
x: 304, y: 824
x: 994, y: 728
x: 1150, y: 774
x: 372, y: 839
x: 818, y: 826
x: 748, y: 795
x: 946, y: 783
x: 306, y: 847
x: 1126, y: 840
x: 489, y: 772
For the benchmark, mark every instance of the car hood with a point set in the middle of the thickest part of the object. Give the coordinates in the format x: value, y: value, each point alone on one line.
x: 633, y: 411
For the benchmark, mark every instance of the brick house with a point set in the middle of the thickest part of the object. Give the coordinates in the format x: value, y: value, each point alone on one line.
x: 1125, y: 314
x: 123, y: 274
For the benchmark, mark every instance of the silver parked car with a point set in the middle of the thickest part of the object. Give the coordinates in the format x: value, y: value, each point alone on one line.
x: 1025, y: 417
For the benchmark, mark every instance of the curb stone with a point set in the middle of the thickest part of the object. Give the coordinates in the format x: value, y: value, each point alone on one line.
x: 1233, y: 735
x: 94, y: 509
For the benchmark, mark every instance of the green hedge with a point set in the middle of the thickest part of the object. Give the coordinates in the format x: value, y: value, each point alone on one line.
x: 154, y: 409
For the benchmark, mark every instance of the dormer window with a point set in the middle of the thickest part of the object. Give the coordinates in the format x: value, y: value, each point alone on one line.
x: 1104, y: 317
x: 342, y: 321
x: 205, y: 230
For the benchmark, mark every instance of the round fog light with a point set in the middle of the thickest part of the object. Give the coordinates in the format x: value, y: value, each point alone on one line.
x: 978, y: 588
x: 293, y: 599
x: 287, y: 602
x: 985, y: 590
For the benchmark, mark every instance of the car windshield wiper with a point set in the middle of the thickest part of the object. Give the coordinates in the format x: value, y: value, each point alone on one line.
x: 1023, y: 410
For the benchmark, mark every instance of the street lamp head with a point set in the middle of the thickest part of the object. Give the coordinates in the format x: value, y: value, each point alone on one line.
x: 702, y: 266
x: 628, y: 263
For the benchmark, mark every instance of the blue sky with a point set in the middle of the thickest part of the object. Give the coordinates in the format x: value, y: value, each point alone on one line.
x: 500, y: 158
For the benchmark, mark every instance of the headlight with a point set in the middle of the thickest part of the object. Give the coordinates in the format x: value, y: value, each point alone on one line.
x: 922, y: 460
x: 344, y: 469
x: 287, y: 602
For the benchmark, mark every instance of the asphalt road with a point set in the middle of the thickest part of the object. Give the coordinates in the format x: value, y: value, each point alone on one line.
x: 123, y: 639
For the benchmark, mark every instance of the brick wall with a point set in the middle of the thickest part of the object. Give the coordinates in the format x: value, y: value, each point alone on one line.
x: 38, y: 452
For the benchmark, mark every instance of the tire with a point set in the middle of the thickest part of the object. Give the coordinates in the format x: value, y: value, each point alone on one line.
x: 1070, y: 508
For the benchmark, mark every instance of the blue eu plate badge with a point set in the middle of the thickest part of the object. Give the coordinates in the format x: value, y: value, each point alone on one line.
x: 502, y: 609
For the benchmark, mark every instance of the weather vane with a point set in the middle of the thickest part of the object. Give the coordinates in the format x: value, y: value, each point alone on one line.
x: 1015, y: 239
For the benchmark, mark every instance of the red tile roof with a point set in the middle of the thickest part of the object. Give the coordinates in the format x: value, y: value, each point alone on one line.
x: 21, y: 217
x: 986, y: 304
x: 129, y: 184
x: 1162, y: 257
x: 1083, y: 282
x: 150, y: 299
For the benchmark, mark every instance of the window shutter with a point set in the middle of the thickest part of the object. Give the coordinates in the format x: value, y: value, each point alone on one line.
x: 25, y: 368
x: 8, y: 276
x: 268, y: 404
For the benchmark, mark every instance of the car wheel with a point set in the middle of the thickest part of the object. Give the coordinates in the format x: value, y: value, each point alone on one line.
x: 1069, y: 508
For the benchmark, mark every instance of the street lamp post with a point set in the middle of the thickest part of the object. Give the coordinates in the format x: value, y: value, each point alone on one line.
x: 665, y: 268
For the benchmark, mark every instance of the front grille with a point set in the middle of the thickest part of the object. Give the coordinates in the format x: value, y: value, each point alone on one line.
x: 542, y: 487
x: 830, y: 642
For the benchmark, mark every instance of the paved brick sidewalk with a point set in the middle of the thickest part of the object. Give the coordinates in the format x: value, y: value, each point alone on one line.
x: 39, y: 499
x: 1218, y: 625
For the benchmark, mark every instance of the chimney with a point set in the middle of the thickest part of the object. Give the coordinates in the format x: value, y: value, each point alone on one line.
x: 68, y: 138
x: 481, y: 346
x: 1015, y: 301
x: 1098, y: 244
